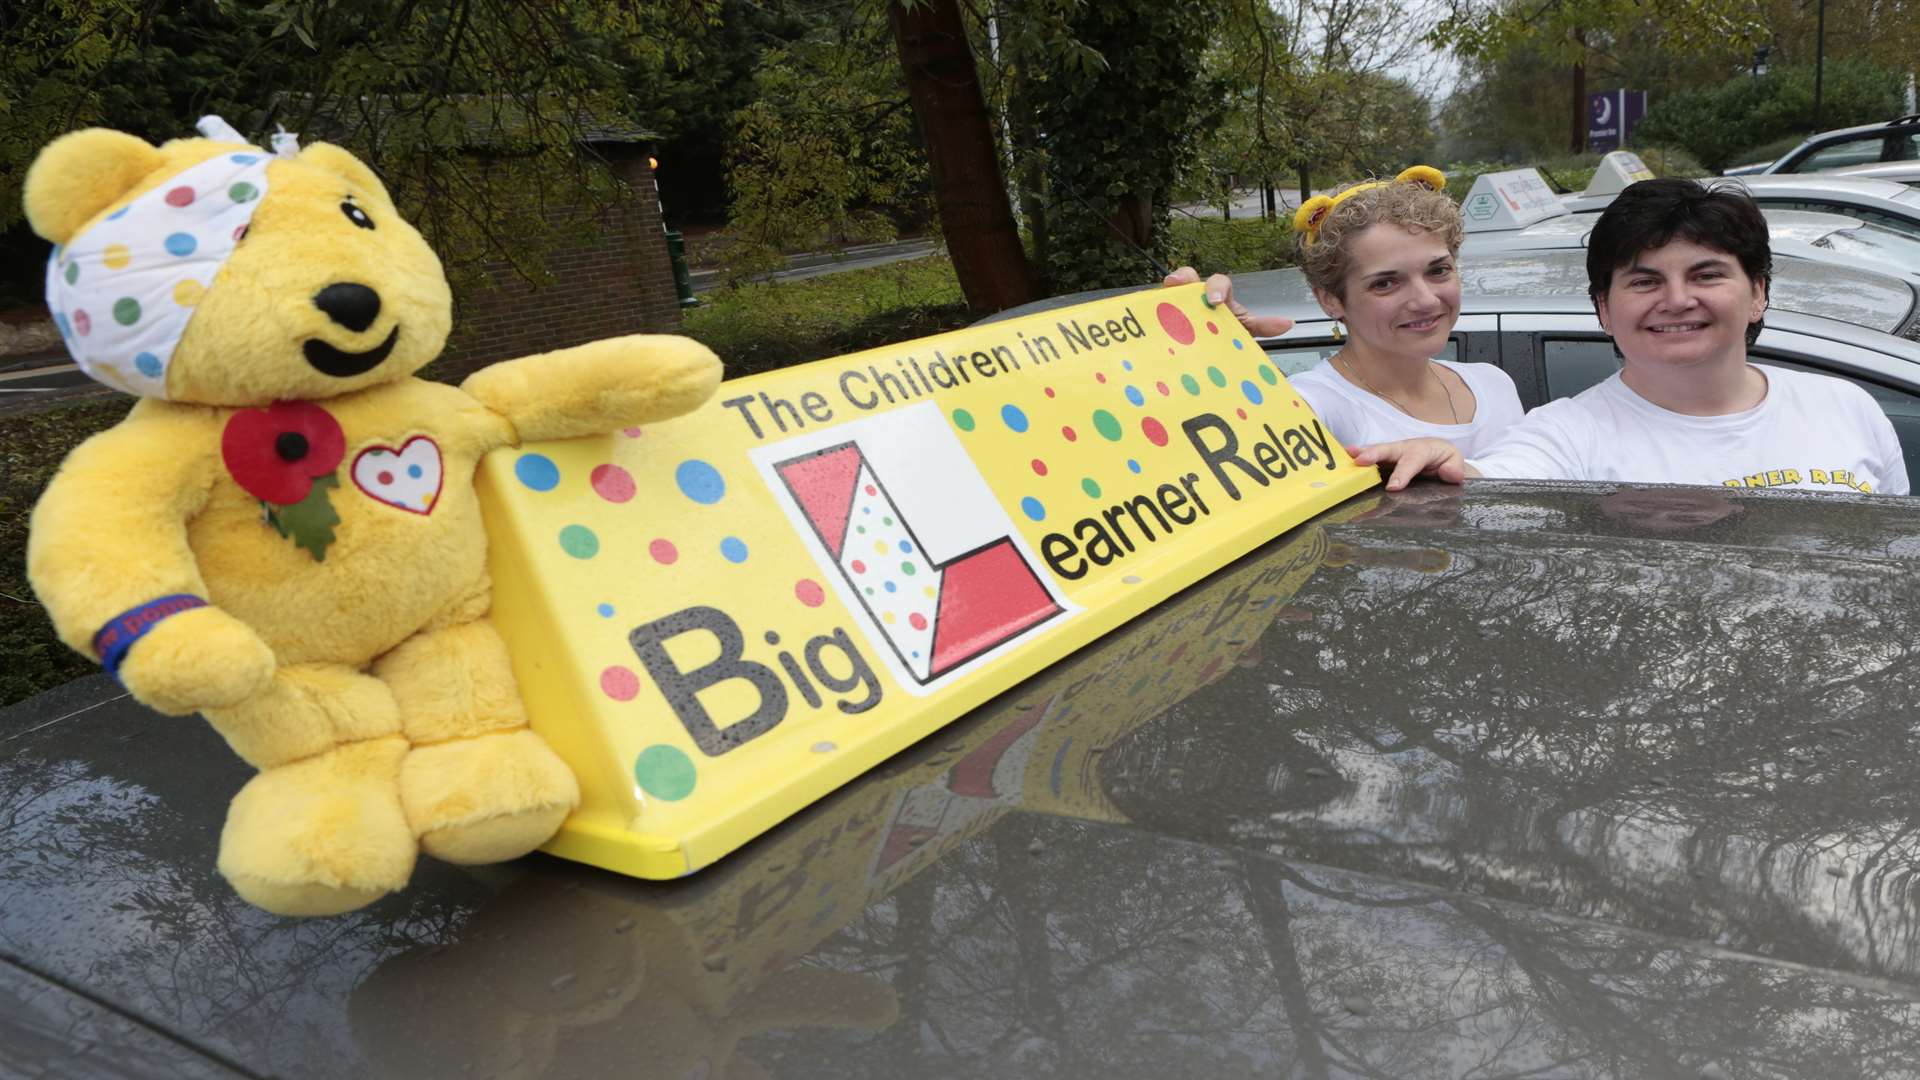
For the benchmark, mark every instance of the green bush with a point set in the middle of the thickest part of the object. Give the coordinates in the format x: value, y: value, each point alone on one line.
x: 1716, y: 125
x: 32, y: 446
x: 765, y: 325
x: 1230, y: 247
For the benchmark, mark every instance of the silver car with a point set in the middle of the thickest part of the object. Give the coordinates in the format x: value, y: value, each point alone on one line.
x: 1798, y: 234
x: 1893, y: 140
x: 1900, y: 172
x: 1875, y: 201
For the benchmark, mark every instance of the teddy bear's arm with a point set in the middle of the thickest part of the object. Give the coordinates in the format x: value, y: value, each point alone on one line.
x: 109, y: 538
x: 598, y: 387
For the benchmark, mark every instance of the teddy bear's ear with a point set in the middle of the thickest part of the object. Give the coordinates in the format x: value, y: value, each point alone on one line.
x: 80, y: 174
x: 330, y: 158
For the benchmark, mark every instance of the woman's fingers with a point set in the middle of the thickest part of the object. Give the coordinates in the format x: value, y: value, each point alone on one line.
x: 1219, y: 293
x: 1266, y: 325
x: 1411, y: 458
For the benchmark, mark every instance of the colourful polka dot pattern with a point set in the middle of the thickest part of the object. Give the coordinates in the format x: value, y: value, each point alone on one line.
x: 1156, y: 383
x: 124, y: 289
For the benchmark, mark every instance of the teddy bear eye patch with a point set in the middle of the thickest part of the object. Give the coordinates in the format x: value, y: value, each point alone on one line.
x: 356, y: 215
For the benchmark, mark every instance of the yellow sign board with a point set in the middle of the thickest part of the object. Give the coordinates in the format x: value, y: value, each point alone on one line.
x: 719, y: 619
x: 693, y: 971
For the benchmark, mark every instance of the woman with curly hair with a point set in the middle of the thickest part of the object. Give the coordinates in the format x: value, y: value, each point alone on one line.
x: 1380, y: 257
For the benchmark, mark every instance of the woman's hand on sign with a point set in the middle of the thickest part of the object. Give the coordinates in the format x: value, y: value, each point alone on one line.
x: 1415, y: 457
x: 1220, y: 291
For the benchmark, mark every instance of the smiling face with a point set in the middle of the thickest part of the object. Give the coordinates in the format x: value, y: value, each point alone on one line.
x: 1401, y: 294
x: 329, y: 291
x: 1680, y: 305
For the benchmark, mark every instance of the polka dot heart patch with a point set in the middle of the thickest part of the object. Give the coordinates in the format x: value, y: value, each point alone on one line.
x: 408, y: 478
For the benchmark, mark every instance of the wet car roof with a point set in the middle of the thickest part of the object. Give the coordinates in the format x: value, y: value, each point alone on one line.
x: 1520, y: 778
x: 1557, y: 279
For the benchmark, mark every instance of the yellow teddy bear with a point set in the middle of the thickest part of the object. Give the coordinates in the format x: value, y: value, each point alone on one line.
x: 283, y: 534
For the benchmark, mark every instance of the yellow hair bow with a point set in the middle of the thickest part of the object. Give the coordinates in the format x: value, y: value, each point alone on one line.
x: 1313, y: 213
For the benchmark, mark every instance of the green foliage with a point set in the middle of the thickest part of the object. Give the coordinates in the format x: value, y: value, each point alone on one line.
x: 824, y: 154
x: 1230, y: 247
x: 1309, y: 97
x: 766, y: 325
x: 1569, y: 31
x: 32, y: 445
x: 473, y: 111
x: 1717, y: 125
x: 690, y: 99
x: 1116, y: 136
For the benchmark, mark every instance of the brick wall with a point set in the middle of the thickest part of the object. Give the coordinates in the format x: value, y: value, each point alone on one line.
x: 619, y: 283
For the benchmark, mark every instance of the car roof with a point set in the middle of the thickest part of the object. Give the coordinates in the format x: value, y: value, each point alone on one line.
x: 1647, y: 800
x: 1904, y: 172
x: 1868, y: 191
x: 1789, y: 231
x: 1847, y: 134
x: 1844, y: 299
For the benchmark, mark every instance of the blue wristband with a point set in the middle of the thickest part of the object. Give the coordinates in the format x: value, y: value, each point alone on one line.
x: 115, y: 638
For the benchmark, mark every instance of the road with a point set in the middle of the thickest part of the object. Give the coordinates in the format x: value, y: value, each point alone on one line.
x: 814, y: 264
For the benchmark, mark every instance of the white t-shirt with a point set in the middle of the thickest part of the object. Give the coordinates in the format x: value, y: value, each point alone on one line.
x: 1810, y: 431
x: 1358, y: 417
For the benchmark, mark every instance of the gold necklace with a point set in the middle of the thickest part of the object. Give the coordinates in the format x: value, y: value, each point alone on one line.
x: 1368, y: 387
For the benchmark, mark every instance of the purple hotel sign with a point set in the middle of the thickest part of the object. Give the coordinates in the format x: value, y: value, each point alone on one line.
x: 1612, y: 116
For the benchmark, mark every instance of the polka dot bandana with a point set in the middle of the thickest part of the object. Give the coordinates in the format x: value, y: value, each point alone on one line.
x: 123, y: 290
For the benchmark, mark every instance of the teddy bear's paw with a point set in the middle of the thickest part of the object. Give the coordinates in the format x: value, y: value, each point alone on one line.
x: 488, y: 798
x: 198, y: 659
x: 322, y: 835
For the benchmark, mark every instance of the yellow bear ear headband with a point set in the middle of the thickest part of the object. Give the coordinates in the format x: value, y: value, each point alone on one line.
x: 1313, y: 213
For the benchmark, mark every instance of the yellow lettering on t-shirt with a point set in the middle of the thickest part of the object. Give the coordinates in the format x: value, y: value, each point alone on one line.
x: 1773, y: 477
x: 1792, y: 475
x: 1757, y: 480
x: 1819, y: 476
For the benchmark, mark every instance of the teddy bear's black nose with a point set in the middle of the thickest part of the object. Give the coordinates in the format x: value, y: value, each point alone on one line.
x: 352, y: 306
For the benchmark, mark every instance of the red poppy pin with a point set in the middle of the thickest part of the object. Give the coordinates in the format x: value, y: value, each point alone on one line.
x: 285, y: 456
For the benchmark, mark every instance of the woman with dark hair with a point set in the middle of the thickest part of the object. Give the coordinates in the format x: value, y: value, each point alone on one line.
x: 1678, y: 274
x: 1379, y: 256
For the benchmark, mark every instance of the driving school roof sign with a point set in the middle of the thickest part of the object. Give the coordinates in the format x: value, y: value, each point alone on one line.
x: 1509, y: 200
x: 721, y: 618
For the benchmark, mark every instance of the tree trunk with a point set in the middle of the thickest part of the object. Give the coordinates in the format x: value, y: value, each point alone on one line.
x: 1579, y: 142
x: 975, y: 215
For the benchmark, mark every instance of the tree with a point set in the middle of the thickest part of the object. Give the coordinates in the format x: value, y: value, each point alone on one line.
x: 1577, y: 32
x: 415, y: 89
x: 962, y: 154
x: 1117, y: 133
x: 1311, y: 94
x: 824, y: 153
